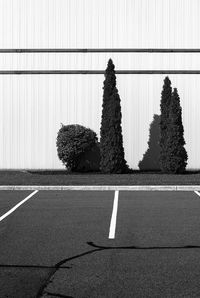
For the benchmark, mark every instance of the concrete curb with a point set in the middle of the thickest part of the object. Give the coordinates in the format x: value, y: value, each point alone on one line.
x: 103, y: 187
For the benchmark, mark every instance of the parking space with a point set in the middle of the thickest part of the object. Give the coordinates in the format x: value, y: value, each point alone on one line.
x: 158, y: 218
x: 54, y: 224
x: 9, y: 198
x: 48, y: 228
x: 150, y: 233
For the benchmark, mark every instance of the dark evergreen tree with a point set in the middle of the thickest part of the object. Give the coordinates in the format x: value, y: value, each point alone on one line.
x: 111, y: 141
x: 164, y: 108
x: 176, y: 158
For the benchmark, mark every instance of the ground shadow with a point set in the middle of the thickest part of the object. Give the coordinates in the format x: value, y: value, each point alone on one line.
x: 150, y: 159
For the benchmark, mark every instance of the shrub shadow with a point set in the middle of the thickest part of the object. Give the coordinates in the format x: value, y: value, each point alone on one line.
x: 150, y: 161
x: 89, y: 161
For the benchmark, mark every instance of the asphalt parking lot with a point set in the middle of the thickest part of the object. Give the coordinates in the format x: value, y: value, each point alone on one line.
x: 99, y: 244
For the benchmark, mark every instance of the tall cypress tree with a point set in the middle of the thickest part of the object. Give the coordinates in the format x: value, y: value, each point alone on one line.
x: 111, y: 141
x: 176, y: 158
x: 164, y: 107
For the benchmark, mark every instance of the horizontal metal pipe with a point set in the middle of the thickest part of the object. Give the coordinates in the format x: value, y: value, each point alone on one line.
x: 90, y: 72
x: 101, y: 50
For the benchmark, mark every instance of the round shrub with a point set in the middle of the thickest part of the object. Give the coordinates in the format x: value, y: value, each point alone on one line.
x: 74, y: 142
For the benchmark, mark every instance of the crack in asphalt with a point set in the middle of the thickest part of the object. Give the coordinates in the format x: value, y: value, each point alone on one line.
x: 30, y: 266
x: 98, y: 248
x: 58, y: 295
x: 58, y: 266
x: 142, y: 247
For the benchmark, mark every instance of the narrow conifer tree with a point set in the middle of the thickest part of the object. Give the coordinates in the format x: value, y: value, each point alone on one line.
x: 176, y: 158
x: 111, y: 141
x: 164, y: 108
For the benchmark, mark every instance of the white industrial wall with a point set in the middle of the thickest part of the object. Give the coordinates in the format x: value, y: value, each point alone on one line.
x: 33, y: 106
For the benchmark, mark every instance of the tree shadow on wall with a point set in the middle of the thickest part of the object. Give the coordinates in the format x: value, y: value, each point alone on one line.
x: 150, y: 159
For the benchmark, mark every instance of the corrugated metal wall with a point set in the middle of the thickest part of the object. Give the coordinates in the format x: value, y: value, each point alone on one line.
x: 33, y: 106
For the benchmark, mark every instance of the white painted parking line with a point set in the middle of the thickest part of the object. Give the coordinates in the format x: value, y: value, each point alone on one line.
x: 18, y: 205
x: 197, y: 193
x: 114, y: 216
